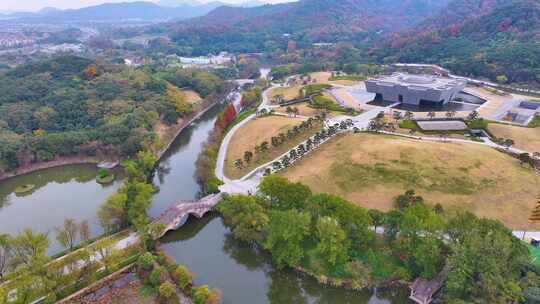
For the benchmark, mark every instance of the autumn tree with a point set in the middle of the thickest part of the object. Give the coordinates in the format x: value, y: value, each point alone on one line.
x: 167, y: 292
x: 178, y: 99
x: 226, y: 117
x: 90, y: 71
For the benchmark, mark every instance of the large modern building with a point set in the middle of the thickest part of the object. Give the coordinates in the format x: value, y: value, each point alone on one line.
x: 415, y: 89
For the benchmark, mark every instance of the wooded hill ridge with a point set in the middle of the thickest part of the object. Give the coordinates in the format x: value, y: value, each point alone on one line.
x: 474, y: 37
x: 76, y: 106
x: 140, y: 10
x: 316, y: 20
x: 479, y: 38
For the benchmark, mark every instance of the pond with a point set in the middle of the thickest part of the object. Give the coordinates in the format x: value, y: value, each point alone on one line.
x: 246, y: 275
x: 59, y: 193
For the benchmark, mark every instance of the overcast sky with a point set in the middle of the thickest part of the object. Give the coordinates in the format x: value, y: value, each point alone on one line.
x: 34, y: 5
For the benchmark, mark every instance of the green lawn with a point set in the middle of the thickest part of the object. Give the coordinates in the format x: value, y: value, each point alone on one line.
x: 322, y: 102
x: 408, y: 124
x: 535, y: 252
x: 535, y: 123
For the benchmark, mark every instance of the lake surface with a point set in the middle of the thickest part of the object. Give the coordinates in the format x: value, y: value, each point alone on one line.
x: 59, y: 193
x: 243, y: 274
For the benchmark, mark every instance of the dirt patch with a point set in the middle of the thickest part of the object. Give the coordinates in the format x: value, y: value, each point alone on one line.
x: 527, y: 139
x: 254, y: 133
x: 371, y: 170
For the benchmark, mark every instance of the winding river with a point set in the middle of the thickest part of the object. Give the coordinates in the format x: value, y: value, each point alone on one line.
x: 206, y: 247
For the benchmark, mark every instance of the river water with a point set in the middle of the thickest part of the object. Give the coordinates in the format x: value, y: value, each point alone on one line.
x: 243, y: 274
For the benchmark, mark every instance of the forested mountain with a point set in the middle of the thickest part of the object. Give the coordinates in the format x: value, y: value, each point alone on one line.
x: 71, y: 105
x: 260, y: 28
x: 475, y: 37
x: 121, y: 11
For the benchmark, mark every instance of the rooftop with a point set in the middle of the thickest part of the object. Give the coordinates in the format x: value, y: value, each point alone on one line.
x: 418, y: 82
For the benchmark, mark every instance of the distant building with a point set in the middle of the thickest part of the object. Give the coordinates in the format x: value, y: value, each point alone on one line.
x: 415, y: 89
x: 221, y: 59
x: 323, y: 44
x: 133, y: 61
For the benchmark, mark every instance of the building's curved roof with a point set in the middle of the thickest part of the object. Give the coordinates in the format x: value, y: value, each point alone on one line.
x: 416, y: 79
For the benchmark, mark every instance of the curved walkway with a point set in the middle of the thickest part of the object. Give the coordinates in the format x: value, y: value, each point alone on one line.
x: 235, y: 186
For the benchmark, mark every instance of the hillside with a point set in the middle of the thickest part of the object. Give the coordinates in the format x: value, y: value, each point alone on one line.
x: 141, y: 10
x: 307, y: 21
x: 75, y: 106
x: 475, y: 37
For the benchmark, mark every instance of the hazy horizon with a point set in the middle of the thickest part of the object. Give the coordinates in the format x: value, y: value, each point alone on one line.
x: 36, y: 5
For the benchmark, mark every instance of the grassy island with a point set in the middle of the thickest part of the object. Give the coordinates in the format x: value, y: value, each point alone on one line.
x: 24, y: 189
x: 105, y: 177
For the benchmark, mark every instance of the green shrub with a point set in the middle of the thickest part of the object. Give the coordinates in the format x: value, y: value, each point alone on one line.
x: 103, y: 173
x: 315, y: 88
x: 167, y: 291
x: 535, y: 122
x: 182, y: 277
x: 158, y: 276
x: 408, y: 124
x: 201, y: 294
x: 478, y: 124
x: 321, y: 102
x: 146, y: 261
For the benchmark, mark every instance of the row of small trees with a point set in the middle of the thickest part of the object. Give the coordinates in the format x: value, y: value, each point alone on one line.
x: 310, y: 144
x: 278, y: 141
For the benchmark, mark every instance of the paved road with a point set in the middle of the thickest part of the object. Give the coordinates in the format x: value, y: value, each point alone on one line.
x: 239, y: 186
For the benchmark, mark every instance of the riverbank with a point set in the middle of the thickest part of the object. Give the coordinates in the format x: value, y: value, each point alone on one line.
x: 174, y: 130
x: 58, y: 162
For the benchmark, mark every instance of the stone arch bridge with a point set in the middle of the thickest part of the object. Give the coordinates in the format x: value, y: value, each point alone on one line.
x: 177, y: 215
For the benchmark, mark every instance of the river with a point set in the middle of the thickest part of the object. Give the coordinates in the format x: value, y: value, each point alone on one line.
x: 243, y: 274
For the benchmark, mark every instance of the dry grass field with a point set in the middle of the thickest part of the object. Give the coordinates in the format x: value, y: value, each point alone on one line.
x: 304, y: 108
x: 371, y: 170
x: 323, y: 77
x: 254, y: 133
x: 191, y: 96
x: 527, y: 139
x: 288, y: 93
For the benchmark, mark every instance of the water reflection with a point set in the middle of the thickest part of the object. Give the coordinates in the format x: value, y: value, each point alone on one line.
x: 245, y: 274
x: 59, y: 193
x: 175, y: 173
